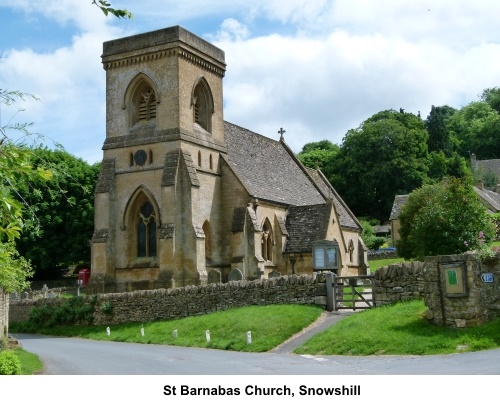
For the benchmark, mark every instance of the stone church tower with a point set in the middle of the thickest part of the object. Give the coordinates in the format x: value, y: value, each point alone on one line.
x: 184, y: 198
x: 163, y: 117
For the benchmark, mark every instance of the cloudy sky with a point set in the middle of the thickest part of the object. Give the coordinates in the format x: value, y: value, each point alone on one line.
x: 317, y: 68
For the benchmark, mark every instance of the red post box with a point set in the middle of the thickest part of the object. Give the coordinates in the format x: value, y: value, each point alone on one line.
x: 83, y: 276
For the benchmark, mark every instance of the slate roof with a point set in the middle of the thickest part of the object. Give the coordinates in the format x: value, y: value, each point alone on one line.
x: 346, y: 218
x: 306, y: 224
x: 399, y: 201
x: 490, y: 199
x: 268, y: 169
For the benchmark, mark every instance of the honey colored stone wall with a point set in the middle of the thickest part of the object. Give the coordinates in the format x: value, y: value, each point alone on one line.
x: 479, y: 303
x: 150, y: 305
x: 399, y: 282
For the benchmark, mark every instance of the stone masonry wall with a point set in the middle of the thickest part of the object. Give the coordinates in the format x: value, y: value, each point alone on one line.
x: 150, y: 305
x: 399, y: 282
x: 4, y: 314
x: 480, y: 303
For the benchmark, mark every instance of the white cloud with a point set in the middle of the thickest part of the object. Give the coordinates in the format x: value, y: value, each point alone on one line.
x: 230, y: 30
x: 316, y: 68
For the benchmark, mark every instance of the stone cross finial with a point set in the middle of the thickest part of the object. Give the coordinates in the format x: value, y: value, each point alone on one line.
x: 281, y: 132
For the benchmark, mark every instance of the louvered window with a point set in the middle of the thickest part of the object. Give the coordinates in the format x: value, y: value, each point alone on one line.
x: 147, y: 106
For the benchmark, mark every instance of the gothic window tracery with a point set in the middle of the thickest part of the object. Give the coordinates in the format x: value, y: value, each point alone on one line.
x: 146, y: 231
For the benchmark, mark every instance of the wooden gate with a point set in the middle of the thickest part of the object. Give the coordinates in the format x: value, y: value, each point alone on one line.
x: 349, y: 292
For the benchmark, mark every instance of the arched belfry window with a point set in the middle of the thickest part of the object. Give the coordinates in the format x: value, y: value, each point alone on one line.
x: 203, y: 106
x: 143, y: 101
x: 267, y: 241
x: 146, y: 231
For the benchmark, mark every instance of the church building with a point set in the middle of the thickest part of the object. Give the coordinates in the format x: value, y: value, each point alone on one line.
x: 185, y: 198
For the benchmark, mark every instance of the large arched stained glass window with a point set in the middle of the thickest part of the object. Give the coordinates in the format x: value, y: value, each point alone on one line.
x: 146, y: 231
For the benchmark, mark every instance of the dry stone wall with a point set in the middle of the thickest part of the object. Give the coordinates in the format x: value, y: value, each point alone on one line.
x: 399, y: 282
x: 150, y: 305
x: 480, y: 301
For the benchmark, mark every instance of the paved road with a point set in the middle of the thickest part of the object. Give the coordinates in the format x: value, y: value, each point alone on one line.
x: 71, y: 356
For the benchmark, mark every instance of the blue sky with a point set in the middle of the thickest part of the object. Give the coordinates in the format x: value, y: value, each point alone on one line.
x: 316, y: 68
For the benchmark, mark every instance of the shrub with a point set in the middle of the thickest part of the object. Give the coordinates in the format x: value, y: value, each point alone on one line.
x: 9, y: 363
x: 444, y: 218
x: 71, y: 311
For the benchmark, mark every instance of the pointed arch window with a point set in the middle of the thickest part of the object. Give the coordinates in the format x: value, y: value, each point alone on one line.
x: 146, y: 231
x: 267, y: 241
x: 203, y: 105
x: 143, y: 102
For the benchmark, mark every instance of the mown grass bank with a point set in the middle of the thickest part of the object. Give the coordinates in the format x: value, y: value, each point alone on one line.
x: 399, y: 329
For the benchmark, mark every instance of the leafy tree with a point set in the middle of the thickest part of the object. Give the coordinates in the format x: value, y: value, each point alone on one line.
x: 492, y: 97
x: 319, y: 155
x: 64, y: 210
x: 439, y: 135
x: 444, y: 218
x: 475, y: 129
x: 15, y: 168
x: 372, y: 241
x: 385, y: 156
x: 441, y: 166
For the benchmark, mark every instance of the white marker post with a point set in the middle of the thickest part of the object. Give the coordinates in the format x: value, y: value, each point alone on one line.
x: 175, y: 334
x: 207, y: 335
x: 108, y: 331
x: 249, y: 337
x: 142, y: 331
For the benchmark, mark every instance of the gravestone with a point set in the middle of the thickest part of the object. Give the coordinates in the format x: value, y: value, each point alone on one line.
x: 235, y: 275
x: 214, y: 277
x: 274, y: 274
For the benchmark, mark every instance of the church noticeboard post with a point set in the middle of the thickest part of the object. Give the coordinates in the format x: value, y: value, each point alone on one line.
x: 325, y: 255
x: 454, y: 279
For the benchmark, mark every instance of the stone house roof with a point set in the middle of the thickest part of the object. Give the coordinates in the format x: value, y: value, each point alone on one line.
x: 268, y: 169
x: 306, y: 224
x: 489, y: 198
x: 399, y: 202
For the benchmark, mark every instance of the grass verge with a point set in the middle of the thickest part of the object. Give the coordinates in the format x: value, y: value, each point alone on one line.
x: 399, y: 329
x: 269, y: 326
x: 30, y: 363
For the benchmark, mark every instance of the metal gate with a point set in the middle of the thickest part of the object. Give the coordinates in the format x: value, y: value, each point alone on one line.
x: 349, y: 292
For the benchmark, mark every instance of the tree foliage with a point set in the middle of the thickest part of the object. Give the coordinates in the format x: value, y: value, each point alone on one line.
x: 372, y: 241
x: 107, y: 9
x: 385, y: 156
x: 64, y: 209
x: 439, y: 134
x: 15, y: 169
x: 444, y: 218
x: 319, y: 155
x: 475, y: 129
